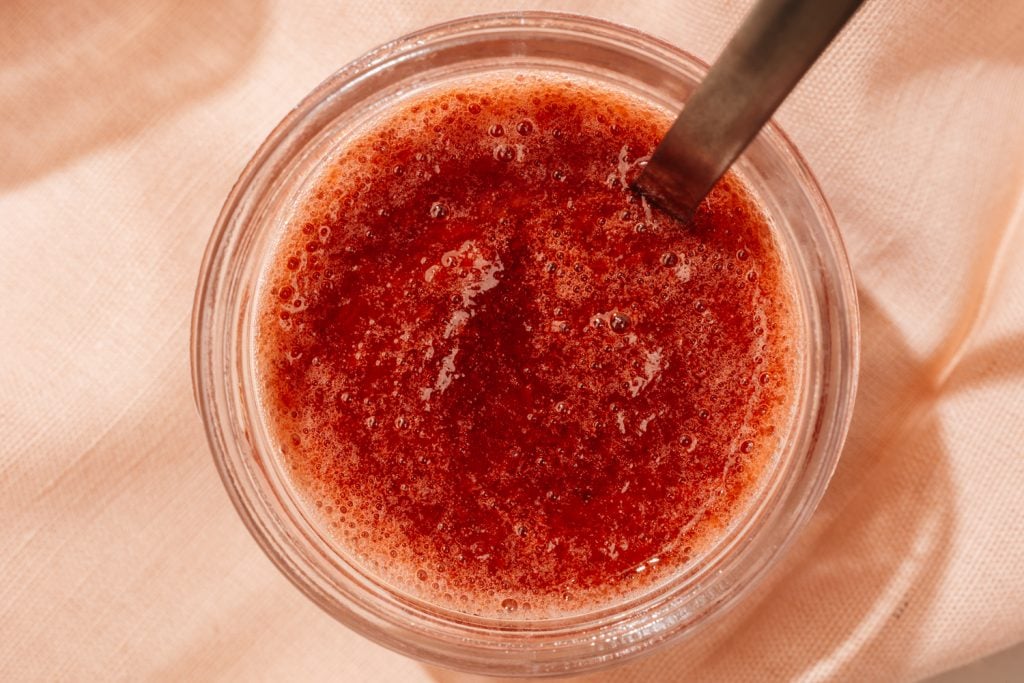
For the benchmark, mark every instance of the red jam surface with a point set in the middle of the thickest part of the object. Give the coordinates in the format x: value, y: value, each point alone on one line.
x: 499, y: 379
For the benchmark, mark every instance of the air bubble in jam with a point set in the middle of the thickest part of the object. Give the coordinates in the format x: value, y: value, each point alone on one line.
x: 619, y: 322
x: 504, y: 152
x: 475, y: 370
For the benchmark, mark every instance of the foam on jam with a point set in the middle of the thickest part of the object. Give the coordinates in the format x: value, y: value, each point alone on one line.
x: 498, y: 378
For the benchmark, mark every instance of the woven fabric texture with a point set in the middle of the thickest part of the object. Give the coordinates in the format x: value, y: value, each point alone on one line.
x: 123, y: 128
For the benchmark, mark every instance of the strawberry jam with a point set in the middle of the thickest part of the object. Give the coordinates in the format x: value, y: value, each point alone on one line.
x: 498, y: 379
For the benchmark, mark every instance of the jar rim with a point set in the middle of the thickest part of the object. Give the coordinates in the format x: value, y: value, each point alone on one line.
x: 467, y: 644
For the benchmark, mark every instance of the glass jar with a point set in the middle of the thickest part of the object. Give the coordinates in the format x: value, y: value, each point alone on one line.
x: 223, y: 363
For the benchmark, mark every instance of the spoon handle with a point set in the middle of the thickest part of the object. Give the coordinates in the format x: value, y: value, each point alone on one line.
x: 773, y: 48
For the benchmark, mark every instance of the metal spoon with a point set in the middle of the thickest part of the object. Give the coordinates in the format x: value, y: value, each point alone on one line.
x: 773, y: 48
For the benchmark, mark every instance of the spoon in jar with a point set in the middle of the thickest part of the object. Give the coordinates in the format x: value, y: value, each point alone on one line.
x: 773, y: 48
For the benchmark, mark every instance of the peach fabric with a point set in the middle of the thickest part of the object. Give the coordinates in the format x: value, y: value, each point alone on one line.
x: 123, y: 126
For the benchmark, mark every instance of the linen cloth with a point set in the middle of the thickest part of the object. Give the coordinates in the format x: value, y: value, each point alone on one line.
x: 124, y: 124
